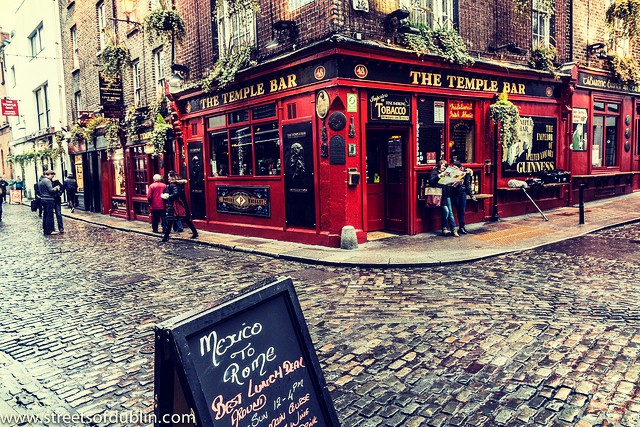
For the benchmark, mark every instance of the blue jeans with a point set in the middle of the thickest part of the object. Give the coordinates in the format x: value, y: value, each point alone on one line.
x: 47, y: 215
x: 460, y: 201
x: 447, y: 220
x: 58, y: 211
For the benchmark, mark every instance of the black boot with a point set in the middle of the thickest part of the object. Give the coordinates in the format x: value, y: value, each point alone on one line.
x: 462, y: 230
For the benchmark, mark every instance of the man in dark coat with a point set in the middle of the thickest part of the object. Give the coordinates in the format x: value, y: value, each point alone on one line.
x: 3, y: 189
x: 47, y: 200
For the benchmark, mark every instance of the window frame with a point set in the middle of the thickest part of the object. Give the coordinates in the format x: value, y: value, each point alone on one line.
x: 102, y: 23
x: 606, y: 113
x: 540, y: 38
x: 227, y: 128
x: 42, y: 114
x: 158, y: 69
x: 74, y: 47
x: 77, y: 99
x: 431, y: 13
x: 35, y: 40
x: 135, y: 81
x: 235, y: 29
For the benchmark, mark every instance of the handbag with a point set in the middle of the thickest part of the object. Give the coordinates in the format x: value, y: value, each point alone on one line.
x: 35, y: 204
x: 433, y: 197
x: 179, y: 211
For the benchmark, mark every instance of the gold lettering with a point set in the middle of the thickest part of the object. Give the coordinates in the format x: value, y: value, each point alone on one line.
x: 260, y: 89
x: 494, y: 86
x: 521, y: 88
x: 451, y: 80
x: 273, y: 85
x: 291, y: 81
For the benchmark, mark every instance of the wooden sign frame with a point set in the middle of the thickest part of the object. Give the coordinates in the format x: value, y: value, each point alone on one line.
x: 185, y: 375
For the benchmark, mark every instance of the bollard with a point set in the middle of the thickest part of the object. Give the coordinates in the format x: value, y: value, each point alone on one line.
x: 348, y: 239
x: 581, y: 202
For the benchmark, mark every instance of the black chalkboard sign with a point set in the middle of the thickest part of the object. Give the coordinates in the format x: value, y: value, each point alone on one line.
x: 247, y: 362
x: 337, y: 150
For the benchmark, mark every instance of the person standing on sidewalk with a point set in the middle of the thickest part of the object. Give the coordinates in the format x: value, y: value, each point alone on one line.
x: 3, y: 189
x: 72, y: 187
x: 47, y: 200
x: 447, y: 220
x: 176, y: 205
x: 156, y: 203
x: 459, y: 195
x: 57, y: 207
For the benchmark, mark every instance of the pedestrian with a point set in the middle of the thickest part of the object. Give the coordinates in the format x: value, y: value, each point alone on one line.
x: 176, y: 205
x: 447, y: 220
x: 47, y: 200
x: 156, y: 203
x: 459, y: 195
x: 36, y: 193
x: 3, y: 189
x: 72, y: 187
x: 18, y: 184
x: 57, y: 207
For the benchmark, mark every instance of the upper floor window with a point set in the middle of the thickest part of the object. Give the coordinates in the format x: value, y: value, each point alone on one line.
x: 296, y: 4
x: 540, y: 21
x: 617, y: 37
x: 42, y: 107
x: 35, y: 41
x: 78, y: 104
x: 236, y: 29
x: 74, y: 47
x: 158, y: 60
x: 434, y: 14
x: 137, y: 90
x: 102, y: 23
x: 13, y: 76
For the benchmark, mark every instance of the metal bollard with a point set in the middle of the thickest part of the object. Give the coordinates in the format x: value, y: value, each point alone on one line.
x: 581, y: 202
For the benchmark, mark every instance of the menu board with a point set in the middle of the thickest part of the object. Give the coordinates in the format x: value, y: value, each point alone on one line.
x: 248, y: 362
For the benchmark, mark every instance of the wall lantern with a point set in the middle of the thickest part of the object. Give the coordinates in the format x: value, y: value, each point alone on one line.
x: 285, y: 30
x: 510, y: 47
x: 179, y: 74
x: 127, y: 7
x: 595, y: 47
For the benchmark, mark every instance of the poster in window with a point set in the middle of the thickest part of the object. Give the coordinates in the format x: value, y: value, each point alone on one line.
x: 579, y: 136
x: 534, y: 151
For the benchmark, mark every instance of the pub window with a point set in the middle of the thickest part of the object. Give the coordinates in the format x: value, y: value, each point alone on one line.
x: 219, y: 149
x: 638, y: 129
x: 241, y: 154
x: 604, y: 151
x: 267, y: 142
x: 119, y: 174
x: 238, y: 117
x: 140, y: 171
x: 461, y: 132
x: 430, y: 130
x: 216, y: 121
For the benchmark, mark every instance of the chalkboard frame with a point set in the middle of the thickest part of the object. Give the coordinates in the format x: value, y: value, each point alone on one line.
x: 177, y: 330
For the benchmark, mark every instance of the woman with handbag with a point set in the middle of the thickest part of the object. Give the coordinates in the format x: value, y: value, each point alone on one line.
x: 176, y: 205
x: 447, y: 219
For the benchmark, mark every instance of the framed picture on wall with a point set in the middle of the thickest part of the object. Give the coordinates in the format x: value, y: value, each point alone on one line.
x: 579, y: 135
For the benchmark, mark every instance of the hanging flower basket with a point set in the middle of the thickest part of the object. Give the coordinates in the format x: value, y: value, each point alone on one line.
x: 163, y: 23
x: 507, y: 116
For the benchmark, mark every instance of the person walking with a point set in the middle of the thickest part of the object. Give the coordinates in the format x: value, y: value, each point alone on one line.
x: 47, y: 200
x: 447, y: 220
x: 72, y: 187
x: 36, y: 194
x: 156, y: 203
x: 176, y: 205
x: 459, y: 195
x: 57, y: 207
x: 3, y: 189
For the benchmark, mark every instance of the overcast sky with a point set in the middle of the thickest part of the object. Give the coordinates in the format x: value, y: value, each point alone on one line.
x: 7, y: 9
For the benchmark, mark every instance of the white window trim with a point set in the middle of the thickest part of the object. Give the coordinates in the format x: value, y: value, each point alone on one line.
x: 234, y: 31
x: 430, y: 13
x: 101, y: 26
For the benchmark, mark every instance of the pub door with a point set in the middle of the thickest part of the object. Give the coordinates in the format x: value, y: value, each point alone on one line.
x: 386, y: 180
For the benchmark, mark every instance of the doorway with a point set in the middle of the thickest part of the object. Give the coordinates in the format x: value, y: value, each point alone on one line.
x: 386, y: 180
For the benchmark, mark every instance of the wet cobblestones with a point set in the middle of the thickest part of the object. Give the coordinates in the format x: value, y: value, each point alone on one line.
x: 544, y: 337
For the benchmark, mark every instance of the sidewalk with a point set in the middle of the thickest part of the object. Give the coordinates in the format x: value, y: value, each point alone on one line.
x: 428, y: 249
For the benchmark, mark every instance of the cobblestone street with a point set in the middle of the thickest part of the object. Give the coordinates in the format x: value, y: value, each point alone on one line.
x: 547, y: 337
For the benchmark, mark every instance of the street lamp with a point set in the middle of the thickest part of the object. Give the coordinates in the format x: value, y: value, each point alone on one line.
x: 127, y: 8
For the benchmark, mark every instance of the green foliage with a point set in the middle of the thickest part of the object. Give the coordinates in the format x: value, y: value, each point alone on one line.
x: 626, y: 69
x: 112, y: 135
x: 131, y: 122
x: 76, y: 135
x: 162, y: 131
x: 543, y: 58
x: 623, y: 16
x: 92, y: 125
x: 225, y: 69
x: 163, y: 23
x: 507, y: 116
x: 113, y: 59
x: 443, y: 42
